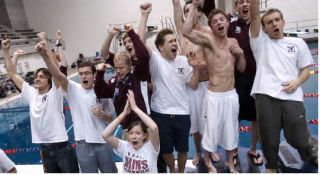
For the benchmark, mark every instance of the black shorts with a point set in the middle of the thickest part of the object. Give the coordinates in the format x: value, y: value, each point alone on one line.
x: 173, y: 131
x: 243, y: 86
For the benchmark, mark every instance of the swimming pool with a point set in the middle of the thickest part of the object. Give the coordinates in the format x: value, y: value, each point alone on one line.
x: 15, y: 134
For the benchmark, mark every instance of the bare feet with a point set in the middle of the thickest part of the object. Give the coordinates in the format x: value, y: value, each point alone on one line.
x: 215, y: 157
x: 271, y: 170
x: 231, y: 168
x: 211, y: 168
x: 196, y: 159
x: 233, y: 171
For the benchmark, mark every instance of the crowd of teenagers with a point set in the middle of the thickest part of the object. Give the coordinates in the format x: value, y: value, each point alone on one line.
x: 236, y: 68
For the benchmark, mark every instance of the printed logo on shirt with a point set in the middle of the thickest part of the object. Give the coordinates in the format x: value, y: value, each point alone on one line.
x: 180, y: 71
x: 291, y: 49
x: 116, y: 91
x: 135, y: 164
x: 44, y: 98
x: 238, y: 30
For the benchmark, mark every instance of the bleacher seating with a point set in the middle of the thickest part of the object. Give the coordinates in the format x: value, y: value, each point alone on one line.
x: 20, y: 36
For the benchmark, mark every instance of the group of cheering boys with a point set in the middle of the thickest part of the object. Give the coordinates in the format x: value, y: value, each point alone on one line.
x: 160, y: 97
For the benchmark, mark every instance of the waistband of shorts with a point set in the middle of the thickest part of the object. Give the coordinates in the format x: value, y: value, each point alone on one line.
x: 54, y: 145
x: 218, y: 94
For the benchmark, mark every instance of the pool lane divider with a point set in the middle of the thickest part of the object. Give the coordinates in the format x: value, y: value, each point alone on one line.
x: 35, y: 149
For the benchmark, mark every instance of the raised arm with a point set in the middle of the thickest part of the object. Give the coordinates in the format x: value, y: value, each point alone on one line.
x: 178, y: 16
x: 255, y: 18
x: 153, y: 128
x: 108, y: 131
x: 101, y: 89
x: 141, y: 51
x: 195, y: 36
x: 11, y: 70
x: 18, y: 53
x: 49, y: 58
x: 62, y: 54
x: 104, y: 52
x: 145, y: 9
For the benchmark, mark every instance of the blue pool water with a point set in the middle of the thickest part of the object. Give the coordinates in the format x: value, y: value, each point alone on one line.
x: 15, y: 126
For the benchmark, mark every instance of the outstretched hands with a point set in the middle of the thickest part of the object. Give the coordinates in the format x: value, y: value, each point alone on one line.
x: 145, y: 8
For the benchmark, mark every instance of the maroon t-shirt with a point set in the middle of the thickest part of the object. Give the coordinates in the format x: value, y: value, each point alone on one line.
x: 240, y: 30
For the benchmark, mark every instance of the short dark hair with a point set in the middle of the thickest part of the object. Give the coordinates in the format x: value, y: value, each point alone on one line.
x: 88, y: 64
x: 200, y: 8
x: 142, y: 125
x: 160, y: 37
x: 214, y: 12
x: 270, y: 11
x: 46, y: 73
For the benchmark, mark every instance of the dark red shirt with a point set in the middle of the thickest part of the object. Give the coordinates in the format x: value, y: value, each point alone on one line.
x: 240, y: 30
x: 117, y: 89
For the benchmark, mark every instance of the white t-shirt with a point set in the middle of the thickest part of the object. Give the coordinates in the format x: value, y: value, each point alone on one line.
x: 143, y: 160
x: 86, y: 126
x: 5, y: 163
x: 278, y: 61
x: 46, y: 114
x: 169, y: 79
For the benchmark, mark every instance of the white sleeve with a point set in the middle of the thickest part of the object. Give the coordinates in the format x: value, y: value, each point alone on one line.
x: 150, y: 145
x: 305, y: 57
x: 27, y: 91
x: 70, y: 88
x: 153, y: 63
x: 120, y: 151
x: 5, y: 163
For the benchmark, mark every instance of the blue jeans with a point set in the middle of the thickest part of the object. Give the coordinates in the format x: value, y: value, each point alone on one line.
x: 59, y: 158
x: 95, y: 156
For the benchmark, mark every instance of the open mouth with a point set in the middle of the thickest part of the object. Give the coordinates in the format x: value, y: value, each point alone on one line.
x: 220, y: 28
x: 85, y: 81
x: 276, y: 30
x: 174, y: 51
x: 129, y: 49
x: 245, y: 11
x: 134, y: 143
